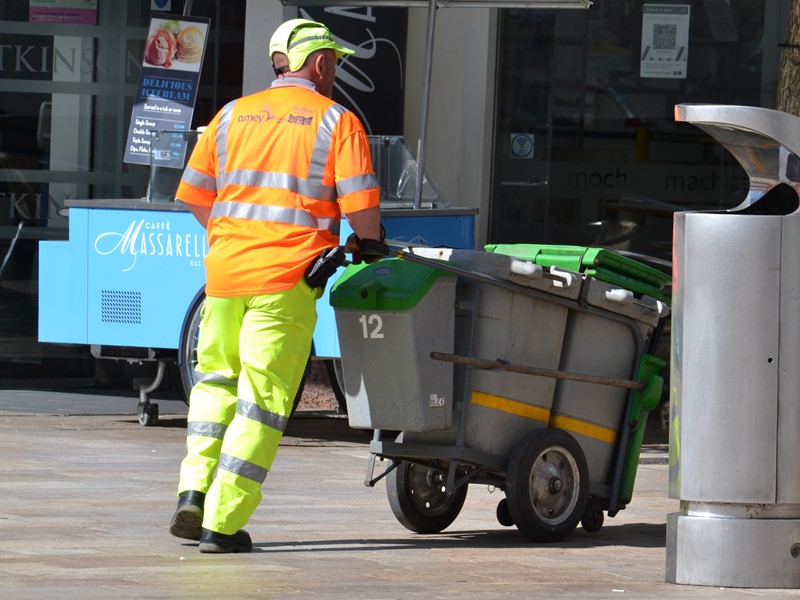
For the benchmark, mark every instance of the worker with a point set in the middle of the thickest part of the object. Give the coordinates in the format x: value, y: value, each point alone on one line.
x: 269, y: 179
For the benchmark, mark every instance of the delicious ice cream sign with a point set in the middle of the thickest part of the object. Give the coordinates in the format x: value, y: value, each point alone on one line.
x: 173, y: 57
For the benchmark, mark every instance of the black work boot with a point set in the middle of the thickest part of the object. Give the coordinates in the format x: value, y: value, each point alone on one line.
x: 222, y: 543
x: 187, y: 522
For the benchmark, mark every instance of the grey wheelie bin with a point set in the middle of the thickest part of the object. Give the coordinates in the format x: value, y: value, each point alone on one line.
x: 528, y: 368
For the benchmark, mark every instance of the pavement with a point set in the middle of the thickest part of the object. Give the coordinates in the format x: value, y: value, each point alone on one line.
x: 86, y: 494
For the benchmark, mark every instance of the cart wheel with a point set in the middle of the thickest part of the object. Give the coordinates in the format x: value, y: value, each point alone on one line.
x: 503, y: 514
x: 148, y: 414
x: 593, y: 517
x: 418, y: 501
x: 547, y: 485
x: 188, y: 348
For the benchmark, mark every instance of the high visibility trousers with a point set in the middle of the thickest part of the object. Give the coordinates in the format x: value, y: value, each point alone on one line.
x: 251, y: 355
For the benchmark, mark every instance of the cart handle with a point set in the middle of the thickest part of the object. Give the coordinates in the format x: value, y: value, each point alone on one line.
x: 502, y: 365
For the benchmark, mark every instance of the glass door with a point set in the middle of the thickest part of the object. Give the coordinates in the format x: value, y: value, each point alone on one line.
x: 586, y: 149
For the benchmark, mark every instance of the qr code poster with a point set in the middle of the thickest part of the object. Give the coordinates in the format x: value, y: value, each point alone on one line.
x: 665, y: 41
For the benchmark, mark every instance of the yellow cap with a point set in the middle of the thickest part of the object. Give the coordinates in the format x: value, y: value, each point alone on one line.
x: 300, y: 37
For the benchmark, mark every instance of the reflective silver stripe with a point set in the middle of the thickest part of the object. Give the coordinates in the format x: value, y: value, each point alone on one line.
x: 206, y: 428
x: 311, y: 187
x: 281, y: 181
x: 275, y: 214
x: 298, y: 39
x: 322, y: 145
x: 222, y: 137
x: 242, y: 467
x: 265, y: 417
x: 199, y: 376
x: 357, y: 183
x: 199, y: 180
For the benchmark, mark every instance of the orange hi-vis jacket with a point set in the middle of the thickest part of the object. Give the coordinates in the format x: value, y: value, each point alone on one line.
x: 277, y: 168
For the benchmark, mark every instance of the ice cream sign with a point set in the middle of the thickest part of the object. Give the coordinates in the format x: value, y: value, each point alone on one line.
x: 165, y: 98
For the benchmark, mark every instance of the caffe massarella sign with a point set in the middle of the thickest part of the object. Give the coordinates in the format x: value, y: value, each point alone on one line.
x: 165, y: 98
x: 151, y: 239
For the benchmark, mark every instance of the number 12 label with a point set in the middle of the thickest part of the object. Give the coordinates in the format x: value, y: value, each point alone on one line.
x: 371, y: 326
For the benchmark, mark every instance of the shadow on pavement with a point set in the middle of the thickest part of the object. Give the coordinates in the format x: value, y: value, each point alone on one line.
x: 632, y: 535
x: 311, y: 425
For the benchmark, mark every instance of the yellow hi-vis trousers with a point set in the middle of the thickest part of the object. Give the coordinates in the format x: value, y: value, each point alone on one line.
x: 251, y: 355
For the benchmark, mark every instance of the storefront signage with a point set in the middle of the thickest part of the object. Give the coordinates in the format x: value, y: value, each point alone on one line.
x: 665, y: 41
x: 370, y: 82
x: 72, y: 12
x: 173, y: 57
x: 152, y: 238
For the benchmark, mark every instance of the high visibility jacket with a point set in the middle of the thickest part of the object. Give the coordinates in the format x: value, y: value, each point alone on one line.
x: 278, y: 168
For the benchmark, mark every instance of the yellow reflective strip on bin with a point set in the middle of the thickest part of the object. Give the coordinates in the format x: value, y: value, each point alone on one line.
x: 596, y: 432
x: 528, y: 411
x: 511, y: 406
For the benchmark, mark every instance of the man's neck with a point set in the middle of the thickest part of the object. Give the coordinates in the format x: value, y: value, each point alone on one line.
x: 294, y: 81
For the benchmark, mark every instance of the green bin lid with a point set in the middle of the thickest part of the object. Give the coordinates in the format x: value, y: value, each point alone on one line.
x: 391, y: 284
x: 600, y: 263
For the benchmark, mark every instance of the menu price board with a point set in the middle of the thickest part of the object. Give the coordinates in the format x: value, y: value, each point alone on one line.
x: 167, y: 91
x: 72, y: 12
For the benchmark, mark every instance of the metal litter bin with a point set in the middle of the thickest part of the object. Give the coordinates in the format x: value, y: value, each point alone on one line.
x: 551, y: 383
x: 735, y: 408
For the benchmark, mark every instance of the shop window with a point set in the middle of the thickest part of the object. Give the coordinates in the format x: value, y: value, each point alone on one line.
x: 608, y: 156
x: 66, y: 94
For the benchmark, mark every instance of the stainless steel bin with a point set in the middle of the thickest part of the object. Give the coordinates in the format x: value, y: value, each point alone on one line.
x: 735, y: 406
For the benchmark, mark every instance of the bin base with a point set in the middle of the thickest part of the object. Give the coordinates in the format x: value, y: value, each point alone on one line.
x: 733, y: 552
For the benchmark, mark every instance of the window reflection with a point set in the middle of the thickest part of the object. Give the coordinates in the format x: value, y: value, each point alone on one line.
x: 610, y: 165
x: 66, y: 96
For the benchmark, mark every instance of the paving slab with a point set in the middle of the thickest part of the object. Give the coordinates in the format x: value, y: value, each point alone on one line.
x: 85, y: 502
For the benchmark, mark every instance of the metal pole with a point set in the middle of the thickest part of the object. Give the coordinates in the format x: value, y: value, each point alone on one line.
x: 426, y: 95
x: 11, y: 247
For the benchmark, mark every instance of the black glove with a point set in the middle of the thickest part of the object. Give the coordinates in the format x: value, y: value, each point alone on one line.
x: 320, y: 270
x: 368, y: 251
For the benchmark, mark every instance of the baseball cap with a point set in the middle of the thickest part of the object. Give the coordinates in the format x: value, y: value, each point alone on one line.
x: 300, y: 37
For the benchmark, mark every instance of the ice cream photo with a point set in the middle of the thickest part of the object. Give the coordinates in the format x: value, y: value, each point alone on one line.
x: 175, y: 44
x: 190, y: 44
x: 160, y: 48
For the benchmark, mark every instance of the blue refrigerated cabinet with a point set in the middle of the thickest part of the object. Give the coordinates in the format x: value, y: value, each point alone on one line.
x: 129, y: 280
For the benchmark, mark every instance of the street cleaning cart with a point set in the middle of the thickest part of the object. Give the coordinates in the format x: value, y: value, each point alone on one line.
x: 529, y: 368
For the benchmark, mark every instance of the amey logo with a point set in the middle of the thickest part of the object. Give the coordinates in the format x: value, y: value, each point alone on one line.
x: 268, y: 113
x: 256, y: 118
x: 265, y: 115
